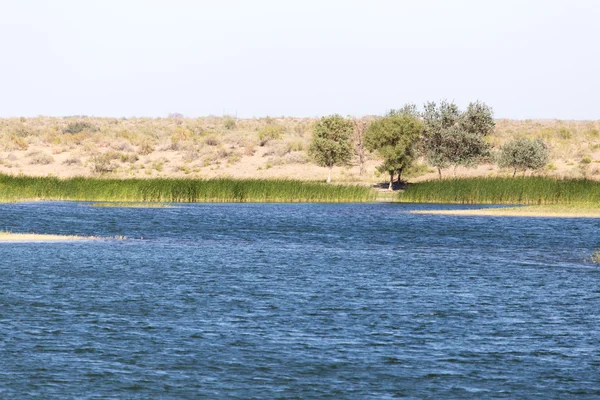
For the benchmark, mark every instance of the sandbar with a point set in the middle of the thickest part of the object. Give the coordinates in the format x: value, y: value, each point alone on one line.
x: 548, y: 211
x: 37, y: 237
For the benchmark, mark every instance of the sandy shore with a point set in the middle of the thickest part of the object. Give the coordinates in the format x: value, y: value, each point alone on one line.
x: 35, y: 237
x: 550, y: 211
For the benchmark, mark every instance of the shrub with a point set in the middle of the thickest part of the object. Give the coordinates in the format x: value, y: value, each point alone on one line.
x: 295, y: 158
x: 19, y: 142
x: 300, y: 128
x: 146, y: 147
x: 233, y: 157
x: 131, y: 137
x: 72, y: 161
x: 130, y: 158
x: 79, y: 126
x: 249, y: 147
x: 269, y: 133
x: 22, y: 131
x: 564, y: 133
x: 190, y: 155
x: 121, y: 146
x: 212, y: 140
x: 296, y: 146
x: 38, y: 158
x: 279, y: 150
x: 180, y: 135
x: 229, y: 123
x: 158, y: 165
x: 102, y: 163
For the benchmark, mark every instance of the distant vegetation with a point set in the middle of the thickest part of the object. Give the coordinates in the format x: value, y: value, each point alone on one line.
x: 527, y: 190
x: 452, y: 139
x: 14, y: 188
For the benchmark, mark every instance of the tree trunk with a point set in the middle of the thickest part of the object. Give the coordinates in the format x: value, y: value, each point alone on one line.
x: 359, y: 135
x: 514, y: 172
x: 454, y: 173
x: 440, y: 173
x: 329, y: 176
x: 391, y: 186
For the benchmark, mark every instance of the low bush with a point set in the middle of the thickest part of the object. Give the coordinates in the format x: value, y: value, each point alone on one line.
x: 39, y: 158
x: 72, y: 161
x: 269, y: 133
x: 229, y: 123
x: 102, y: 164
x: 79, y: 126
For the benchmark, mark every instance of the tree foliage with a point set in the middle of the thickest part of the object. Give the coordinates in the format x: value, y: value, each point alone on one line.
x: 453, y: 137
x: 523, y: 154
x: 393, y: 138
x: 330, y: 144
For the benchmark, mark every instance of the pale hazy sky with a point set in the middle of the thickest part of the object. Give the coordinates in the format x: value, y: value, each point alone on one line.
x: 526, y: 58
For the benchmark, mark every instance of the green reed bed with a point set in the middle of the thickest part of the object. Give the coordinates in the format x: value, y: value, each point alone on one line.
x: 14, y: 188
x: 526, y: 190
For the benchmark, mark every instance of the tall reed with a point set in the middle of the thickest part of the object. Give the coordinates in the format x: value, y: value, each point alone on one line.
x: 14, y: 188
x: 526, y: 190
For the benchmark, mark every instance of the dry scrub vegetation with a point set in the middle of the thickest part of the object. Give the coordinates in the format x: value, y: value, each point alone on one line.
x: 241, y: 148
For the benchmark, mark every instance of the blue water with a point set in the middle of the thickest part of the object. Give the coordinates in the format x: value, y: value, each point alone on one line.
x: 302, y: 301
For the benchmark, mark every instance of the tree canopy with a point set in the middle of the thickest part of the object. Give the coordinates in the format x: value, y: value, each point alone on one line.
x: 330, y: 144
x: 523, y: 154
x: 393, y: 138
x: 453, y: 137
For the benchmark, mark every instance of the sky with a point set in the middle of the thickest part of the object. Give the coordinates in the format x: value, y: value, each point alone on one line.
x: 305, y: 58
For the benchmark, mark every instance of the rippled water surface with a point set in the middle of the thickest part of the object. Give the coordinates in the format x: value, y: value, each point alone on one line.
x: 297, y: 301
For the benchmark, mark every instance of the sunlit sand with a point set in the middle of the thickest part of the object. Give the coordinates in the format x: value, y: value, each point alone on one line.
x: 550, y: 211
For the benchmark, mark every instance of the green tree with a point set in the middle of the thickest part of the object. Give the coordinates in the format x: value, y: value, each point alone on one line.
x: 393, y: 138
x: 452, y: 137
x: 523, y: 154
x: 330, y: 144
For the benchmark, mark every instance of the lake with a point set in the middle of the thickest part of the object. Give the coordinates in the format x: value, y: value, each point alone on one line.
x: 307, y: 301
